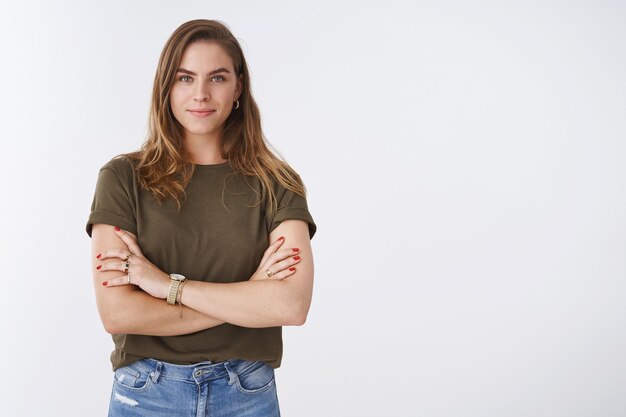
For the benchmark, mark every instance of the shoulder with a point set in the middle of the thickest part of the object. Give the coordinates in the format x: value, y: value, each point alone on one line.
x: 121, y: 165
x: 290, y: 176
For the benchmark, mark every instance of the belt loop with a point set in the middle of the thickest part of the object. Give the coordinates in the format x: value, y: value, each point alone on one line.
x: 232, y: 375
x: 154, y: 375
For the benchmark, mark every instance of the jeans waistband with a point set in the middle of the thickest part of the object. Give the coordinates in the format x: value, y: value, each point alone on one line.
x: 197, y: 372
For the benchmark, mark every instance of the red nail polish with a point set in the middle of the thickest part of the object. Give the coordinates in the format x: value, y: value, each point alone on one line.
x: 292, y: 268
x: 99, y: 266
x: 281, y: 238
x: 117, y: 229
x: 105, y: 283
x: 98, y: 256
x: 296, y: 249
x: 297, y: 258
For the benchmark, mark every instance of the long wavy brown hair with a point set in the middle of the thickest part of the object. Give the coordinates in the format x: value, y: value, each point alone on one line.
x: 164, y: 167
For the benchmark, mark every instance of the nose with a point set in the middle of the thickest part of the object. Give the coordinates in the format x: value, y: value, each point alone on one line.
x: 201, y: 93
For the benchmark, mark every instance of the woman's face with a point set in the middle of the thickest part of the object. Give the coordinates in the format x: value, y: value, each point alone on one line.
x: 205, y: 80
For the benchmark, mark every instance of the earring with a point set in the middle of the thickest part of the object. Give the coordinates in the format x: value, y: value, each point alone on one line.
x: 236, y: 101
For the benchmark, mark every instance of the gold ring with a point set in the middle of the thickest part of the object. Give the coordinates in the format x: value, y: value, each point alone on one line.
x: 128, y: 257
x: 129, y: 278
x: 126, y: 268
x: 269, y: 273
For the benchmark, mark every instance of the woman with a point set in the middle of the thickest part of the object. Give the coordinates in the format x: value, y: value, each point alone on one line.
x: 201, y: 243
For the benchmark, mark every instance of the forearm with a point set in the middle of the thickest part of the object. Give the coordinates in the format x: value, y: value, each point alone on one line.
x: 264, y: 303
x: 135, y: 312
x: 256, y: 303
x: 260, y: 302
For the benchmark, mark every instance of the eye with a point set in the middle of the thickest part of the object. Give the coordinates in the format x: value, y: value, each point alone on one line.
x: 184, y: 76
x: 218, y: 76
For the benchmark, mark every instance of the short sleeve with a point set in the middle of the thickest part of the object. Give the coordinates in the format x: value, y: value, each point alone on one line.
x: 291, y: 206
x: 112, y: 203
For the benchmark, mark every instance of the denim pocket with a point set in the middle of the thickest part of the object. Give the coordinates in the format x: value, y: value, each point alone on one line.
x: 253, y: 377
x: 132, y: 377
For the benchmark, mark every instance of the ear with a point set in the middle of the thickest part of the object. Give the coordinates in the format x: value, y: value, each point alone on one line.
x: 239, y: 88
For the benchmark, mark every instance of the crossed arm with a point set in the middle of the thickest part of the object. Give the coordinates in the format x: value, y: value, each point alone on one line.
x: 265, y: 303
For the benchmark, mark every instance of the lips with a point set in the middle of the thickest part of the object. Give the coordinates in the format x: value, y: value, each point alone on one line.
x: 201, y: 113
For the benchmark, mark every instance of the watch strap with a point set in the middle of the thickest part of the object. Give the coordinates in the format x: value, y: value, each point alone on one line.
x: 173, y: 292
x: 171, y: 296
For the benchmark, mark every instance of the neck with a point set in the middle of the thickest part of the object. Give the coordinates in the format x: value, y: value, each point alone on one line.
x: 203, y: 150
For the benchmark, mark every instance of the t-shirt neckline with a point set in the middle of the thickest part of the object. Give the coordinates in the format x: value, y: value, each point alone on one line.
x: 211, y: 166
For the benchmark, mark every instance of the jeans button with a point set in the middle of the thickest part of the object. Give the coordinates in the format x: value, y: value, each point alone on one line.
x: 198, y: 373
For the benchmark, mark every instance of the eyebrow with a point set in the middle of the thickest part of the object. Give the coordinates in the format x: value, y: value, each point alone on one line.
x: 217, y: 71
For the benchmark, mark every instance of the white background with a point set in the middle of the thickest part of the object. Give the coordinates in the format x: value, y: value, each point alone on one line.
x: 465, y: 164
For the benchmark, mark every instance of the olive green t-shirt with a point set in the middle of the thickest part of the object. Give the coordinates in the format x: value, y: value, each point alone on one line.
x: 219, y: 235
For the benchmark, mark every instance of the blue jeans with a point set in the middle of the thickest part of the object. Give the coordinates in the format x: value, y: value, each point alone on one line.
x: 236, y: 387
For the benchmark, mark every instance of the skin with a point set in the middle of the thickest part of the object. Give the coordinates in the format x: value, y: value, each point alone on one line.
x: 204, y: 91
x: 139, y: 307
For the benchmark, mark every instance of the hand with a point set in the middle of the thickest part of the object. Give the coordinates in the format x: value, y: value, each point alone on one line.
x: 278, y: 262
x: 141, y: 271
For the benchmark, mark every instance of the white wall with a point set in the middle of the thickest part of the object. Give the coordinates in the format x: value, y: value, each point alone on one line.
x: 465, y: 167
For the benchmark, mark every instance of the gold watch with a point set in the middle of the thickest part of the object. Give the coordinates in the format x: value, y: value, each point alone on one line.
x: 175, y: 281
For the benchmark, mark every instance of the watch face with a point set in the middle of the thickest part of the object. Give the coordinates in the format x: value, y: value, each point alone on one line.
x: 177, y: 277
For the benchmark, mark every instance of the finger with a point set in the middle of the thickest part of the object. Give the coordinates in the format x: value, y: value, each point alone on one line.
x: 117, y: 282
x: 280, y: 255
x: 272, y: 248
x: 114, y: 253
x: 285, y: 273
x: 112, y: 266
x: 129, y: 240
x: 284, y: 264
